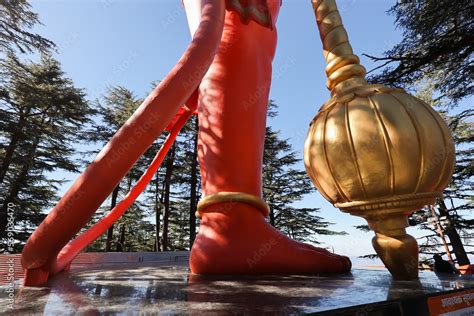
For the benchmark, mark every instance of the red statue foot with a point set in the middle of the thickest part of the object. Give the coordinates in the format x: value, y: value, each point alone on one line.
x: 234, y: 238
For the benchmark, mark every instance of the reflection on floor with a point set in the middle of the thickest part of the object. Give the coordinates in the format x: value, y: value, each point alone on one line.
x: 168, y: 288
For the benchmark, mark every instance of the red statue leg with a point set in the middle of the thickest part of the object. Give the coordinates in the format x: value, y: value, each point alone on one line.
x: 234, y: 238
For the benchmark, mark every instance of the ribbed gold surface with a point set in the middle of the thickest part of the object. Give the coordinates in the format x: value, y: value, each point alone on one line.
x: 378, y: 143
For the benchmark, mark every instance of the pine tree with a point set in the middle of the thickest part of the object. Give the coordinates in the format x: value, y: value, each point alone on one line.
x: 16, y: 21
x: 437, y: 44
x: 42, y: 115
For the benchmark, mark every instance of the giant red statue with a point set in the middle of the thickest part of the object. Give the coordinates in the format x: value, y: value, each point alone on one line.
x: 225, y: 74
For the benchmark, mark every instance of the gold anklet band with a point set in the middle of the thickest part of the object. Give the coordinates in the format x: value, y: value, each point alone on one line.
x: 225, y: 197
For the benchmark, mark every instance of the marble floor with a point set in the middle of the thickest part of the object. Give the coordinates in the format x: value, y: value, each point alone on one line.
x: 168, y: 288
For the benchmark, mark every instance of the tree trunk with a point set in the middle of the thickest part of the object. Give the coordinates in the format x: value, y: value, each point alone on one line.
x: 16, y: 135
x: 9, y: 154
x: 193, y: 197
x: 157, y: 213
x: 455, y: 240
x: 110, y: 231
x: 169, y: 172
x: 272, y: 217
x: 121, y: 241
x: 98, y: 290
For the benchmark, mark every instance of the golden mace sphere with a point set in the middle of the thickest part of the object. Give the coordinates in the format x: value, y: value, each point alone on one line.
x: 373, y: 151
x: 376, y: 148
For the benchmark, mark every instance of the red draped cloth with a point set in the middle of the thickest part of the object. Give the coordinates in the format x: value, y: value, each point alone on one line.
x: 255, y: 10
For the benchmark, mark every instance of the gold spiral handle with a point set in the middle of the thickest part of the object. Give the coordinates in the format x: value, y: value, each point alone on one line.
x: 343, y: 68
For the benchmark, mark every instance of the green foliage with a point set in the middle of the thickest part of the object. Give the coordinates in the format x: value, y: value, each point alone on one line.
x: 437, y: 44
x: 364, y: 228
x: 16, y: 21
x: 42, y: 115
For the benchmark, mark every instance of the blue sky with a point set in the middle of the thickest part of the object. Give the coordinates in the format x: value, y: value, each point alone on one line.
x: 134, y: 42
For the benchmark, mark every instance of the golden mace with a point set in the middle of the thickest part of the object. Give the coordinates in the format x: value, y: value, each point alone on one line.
x: 374, y: 151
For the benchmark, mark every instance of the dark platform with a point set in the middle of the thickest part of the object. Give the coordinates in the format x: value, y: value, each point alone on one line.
x: 161, y: 284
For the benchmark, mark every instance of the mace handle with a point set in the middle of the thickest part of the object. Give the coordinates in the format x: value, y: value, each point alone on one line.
x: 343, y: 69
